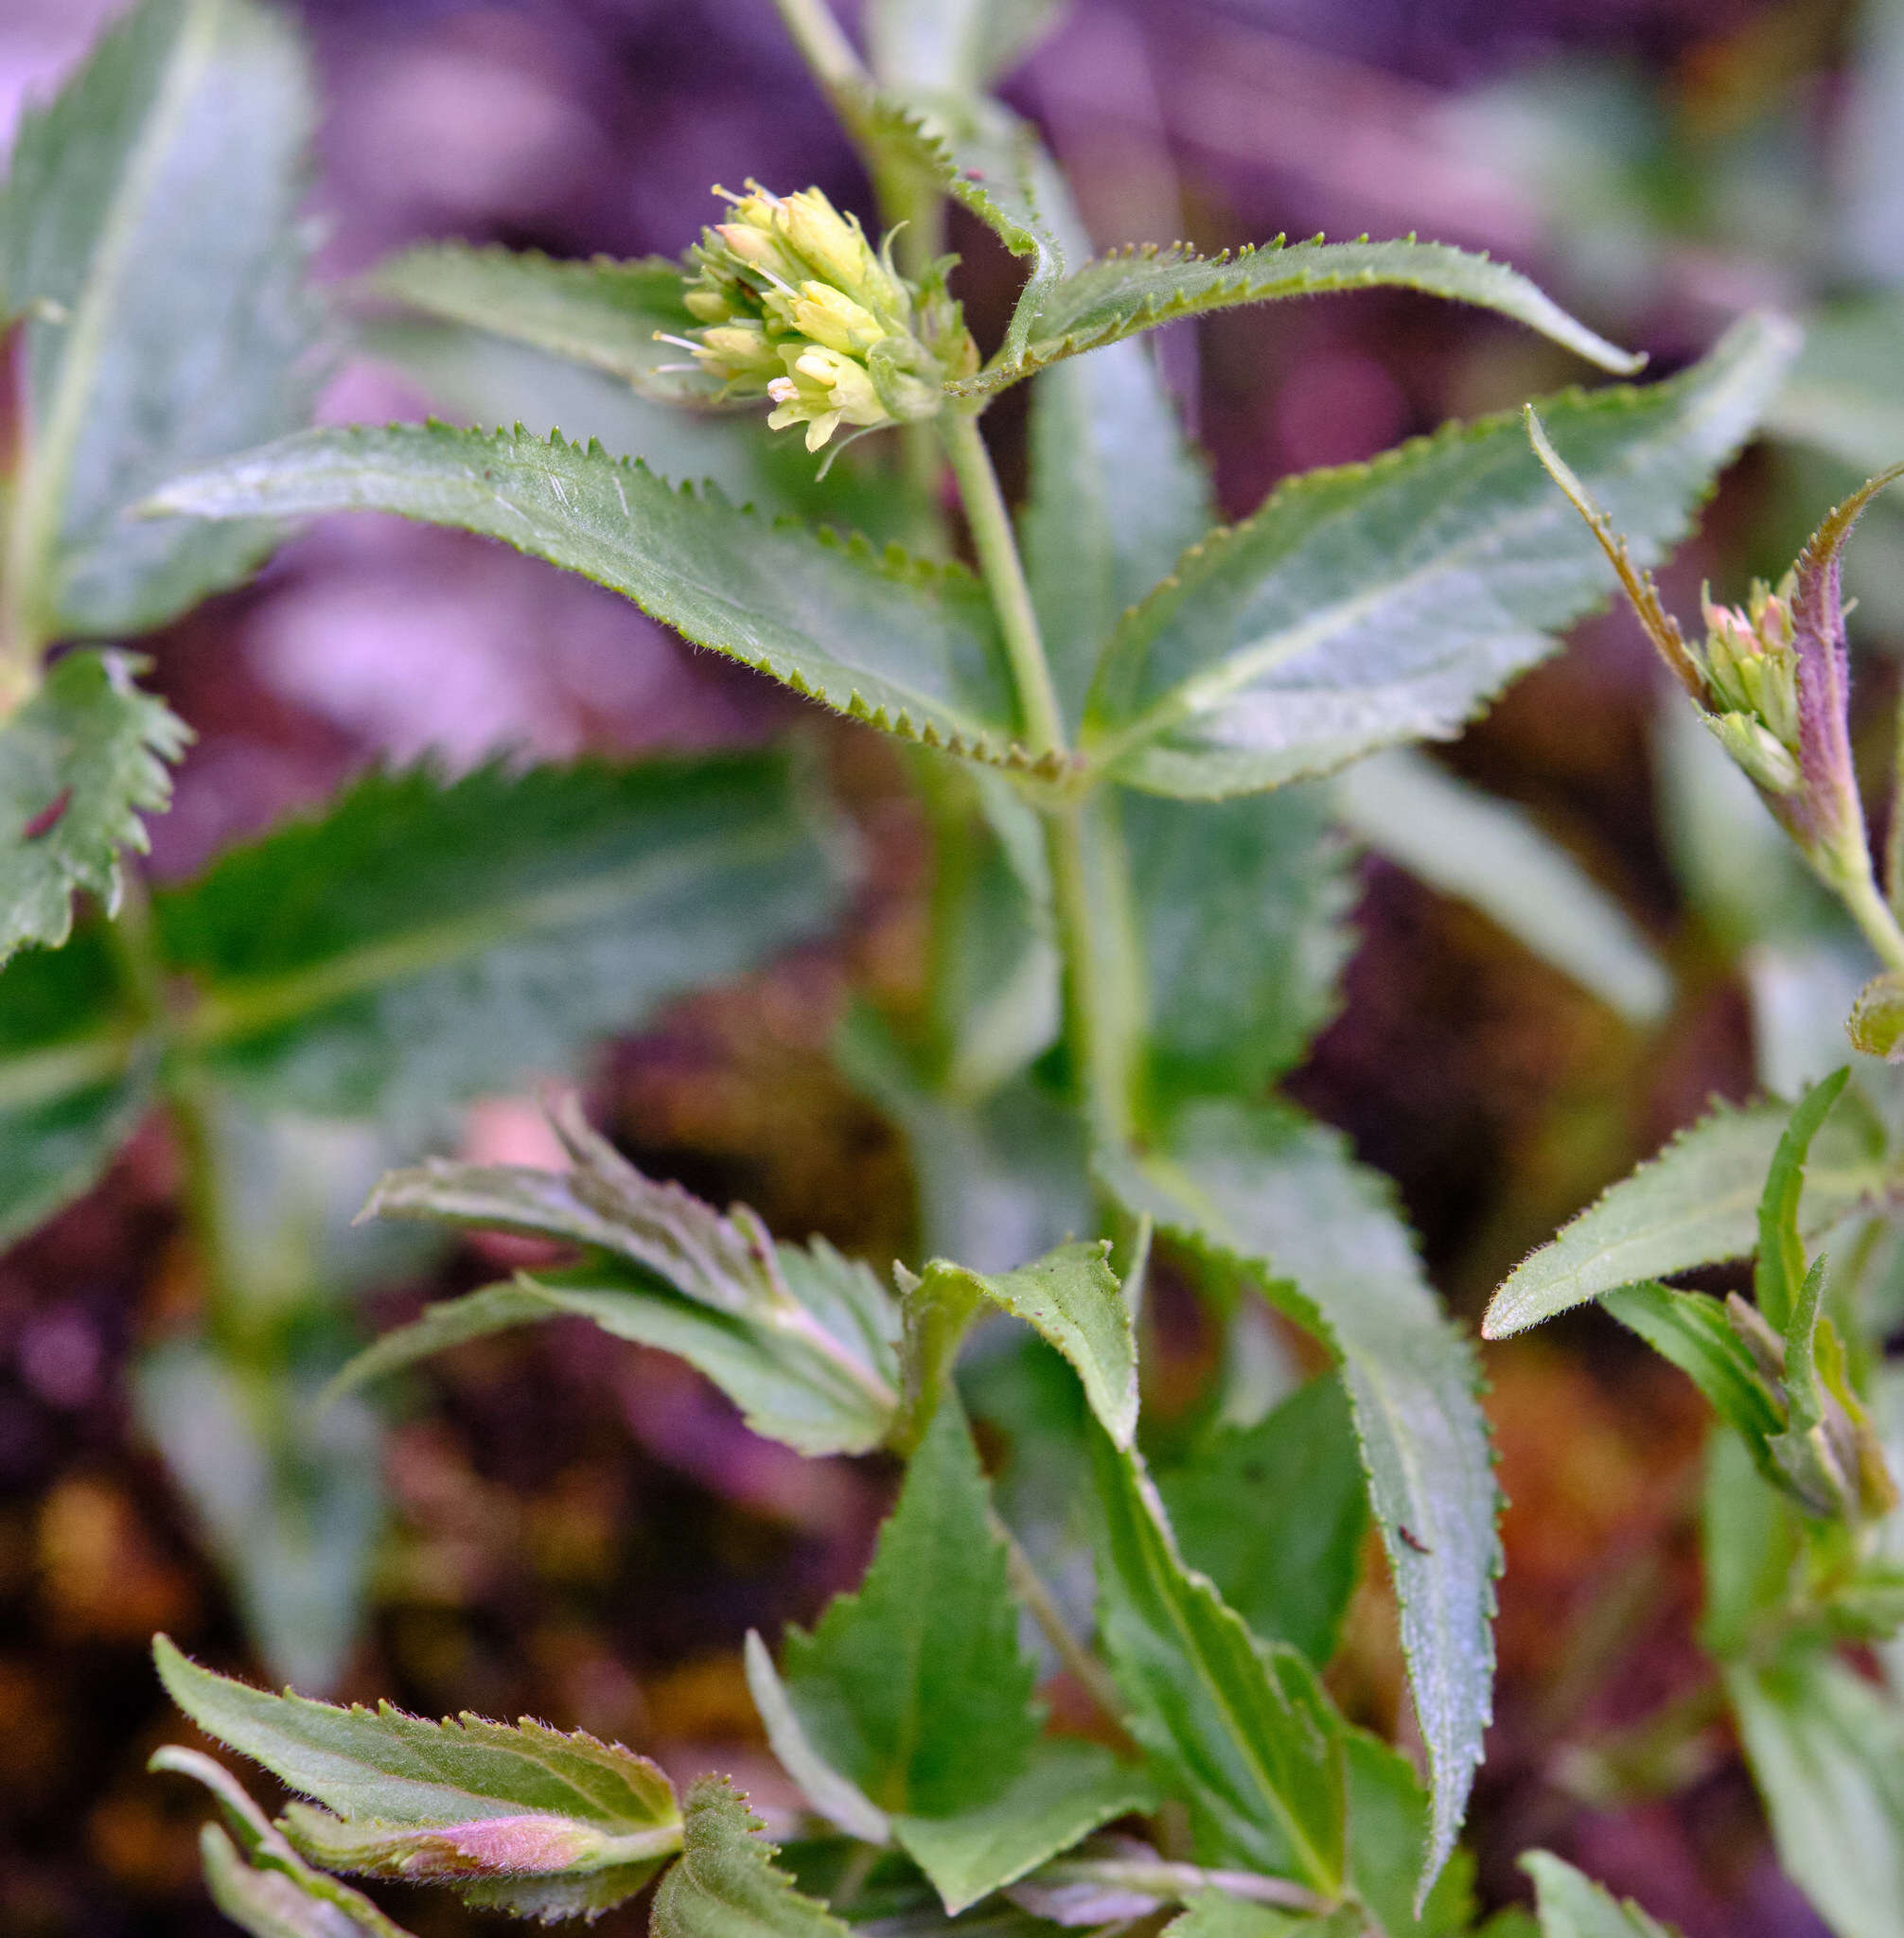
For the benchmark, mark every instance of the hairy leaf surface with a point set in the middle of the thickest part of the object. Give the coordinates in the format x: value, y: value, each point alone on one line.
x: 148, y: 230
x: 1389, y: 602
x: 1265, y: 1194
x: 1691, y: 1329
x: 1493, y: 855
x: 802, y: 1339
x: 601, y: 312
x: 1694, y: 1204
x: 78, y: 764
x: 1275, y: 1514
x: 1139, y: 289
x: 725, y: 1884
x: 908, y: 647
x: 1072, y: 1297
x: 421, y: 942
x: 1237, y: 1729
x: 521, y: 1818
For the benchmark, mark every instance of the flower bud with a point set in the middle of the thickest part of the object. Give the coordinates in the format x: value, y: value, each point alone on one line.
x: 795, y: 306
x: 1767, y: 759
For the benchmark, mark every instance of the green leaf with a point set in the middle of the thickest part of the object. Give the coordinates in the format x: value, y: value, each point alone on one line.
x: 279, y: 1903
x: 961, y: 48
x: 1846, y: 394
x: 989, y: 161
x: 837, y: 1797
x: 479, y: 379
x: 1387, y: 1827
x: 1827, y: 1751
x: 289, y: 1497
x: 151, y: 231
x: 600, y: 312
x: 1263, y: 1194
x: 257, y: 1878
x: 1141, y: 288
x: 524, y: 1819
x: 914, y: 1687
x: 78, y: 764
x: 1072, y: 1298
x: 907, y: 646
x: 419, y: 942
x: 1242, y: 907
x: 75, y: 1078
x: 1694, y: 1204
x: 1494, y: 856
x: 1390, y: 601
x: 803, y: 1339
x: 1751, y: 1541
x: 1116, y: 495
x: 1217, y: 1914
x: 1237, y: 1729
x: 725, y: 1884
x: 1573, y: 1906
x: 1066, y: 1790
x: 1691, y: 1330
x: 1275, y: 1514
x: 1780, y: 1269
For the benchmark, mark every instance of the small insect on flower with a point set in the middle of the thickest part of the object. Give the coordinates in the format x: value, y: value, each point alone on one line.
x: 795, y: 306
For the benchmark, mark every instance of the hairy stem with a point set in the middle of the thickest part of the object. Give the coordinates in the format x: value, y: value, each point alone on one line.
x: 1040, y: 717
x: 1090, y: 885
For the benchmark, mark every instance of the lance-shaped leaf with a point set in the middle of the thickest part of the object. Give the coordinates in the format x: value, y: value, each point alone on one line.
x: 1494, y: 856
x: 803, y: 1339
x: 417, y: 944
x: 907, y: 1712
x: 522, y: 1818
x: 1827, y: 1751
x: 1240, y: 908
x: 75, y: 1078
x: 1390, y: 601
x: 907, y: 646
x: 1573, y: 1906
x: 1140, y: 288
x: 914, y: 1686
x: 150, y: 234
x: 1237, y: 1729
x: 1265, y: 1194
x: 1116, y: 495
x: 1694, y: 1204
x: 1691, y: 1330
x: 78, y: 764
x: 600, y: 312
x: 1275, y: 1515
x: 1072, y: 1297
x: 1779, y: 1270
x: 257, y: 1879
x: 725, y: 1884
x: 975, y: 149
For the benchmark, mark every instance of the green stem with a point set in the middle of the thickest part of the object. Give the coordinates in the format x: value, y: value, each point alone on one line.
x: 1173, y: 1883
x: 1004, y: 574
x: 1872, y: 913
x: 1085, y: 1669
x: 1090, y: 886
x: 823, y: 45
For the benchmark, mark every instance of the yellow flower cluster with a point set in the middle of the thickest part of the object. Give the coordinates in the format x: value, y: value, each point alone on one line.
x: 795, y: 306
x: 1750, y: 664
